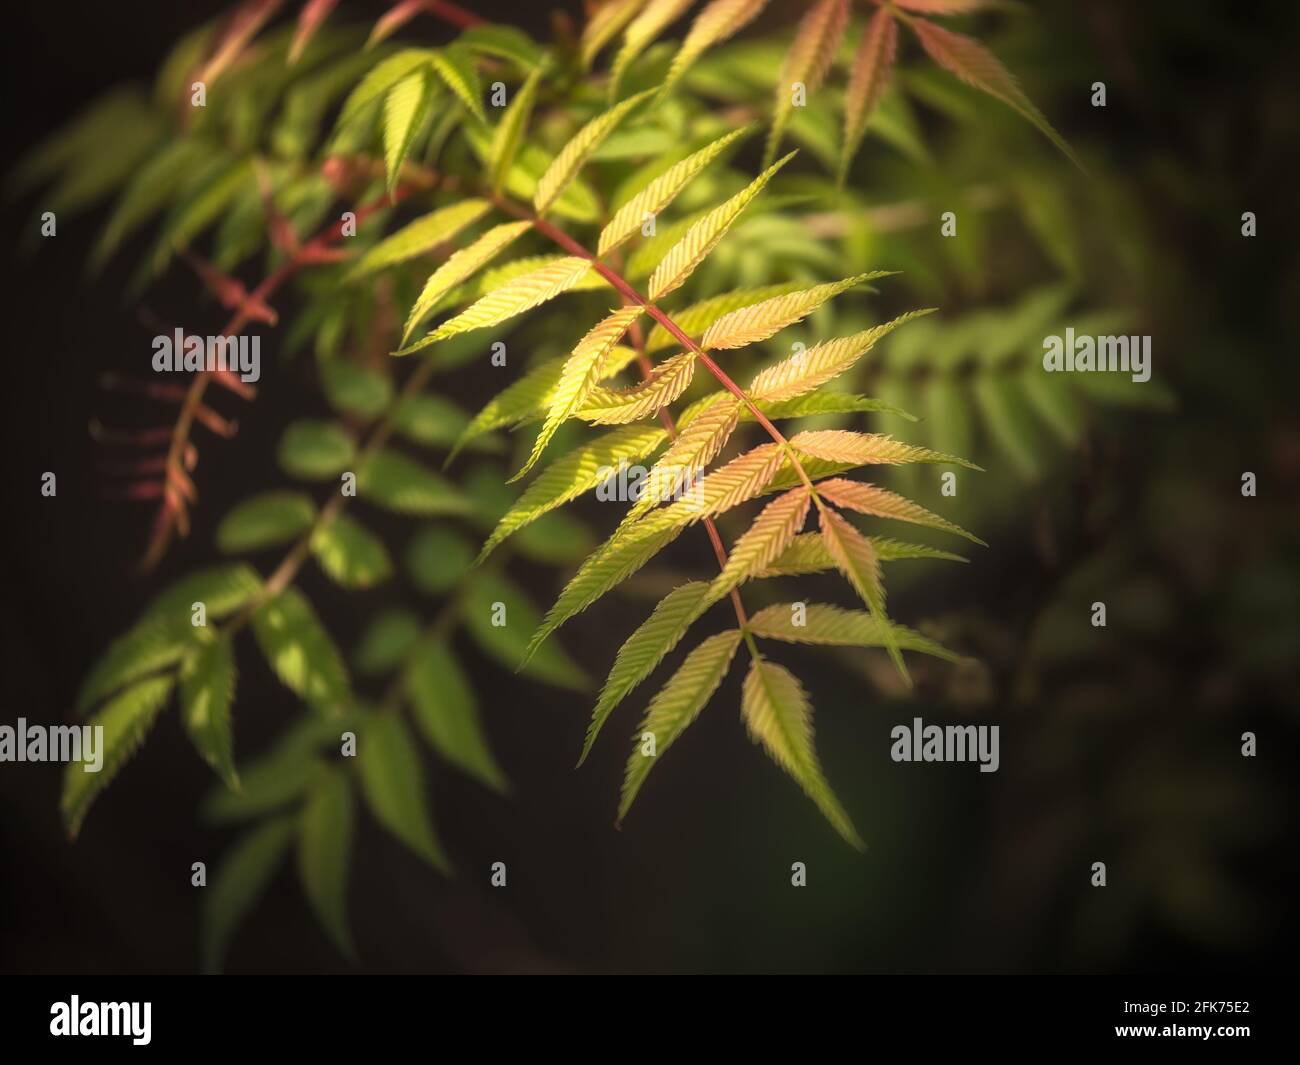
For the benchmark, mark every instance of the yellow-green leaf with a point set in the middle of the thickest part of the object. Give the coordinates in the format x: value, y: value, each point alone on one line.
x: 814, y: 367
x: 349, y: 554
x: 843, y: 445
x: 125, y: 720
x: 455, y: 66
x: 603, y: 27
x: 509, y: 132
x: 300, y: 651
x: 405, y: 108
x: 207, y: 690
x: 511, y: 299
x: 821, y: 623
x: 459, y: 267
x: 778, y: 715
x: 421, y: 236
x: 583, y: 369
x: 749, y: 325
x: 569, y: 161
x: 703, y: 236
x: 676, y: 705
x: 392, y: 783
x: 629, y: 218
x: 325, y: 829
x: 718, y: 21
x: 568, y: 477
x: 617, y: 406
x: 645, y: 649
x: 857, y: 560
x: 447, y: 714
x: 770, y: 534
x: 653, y: 19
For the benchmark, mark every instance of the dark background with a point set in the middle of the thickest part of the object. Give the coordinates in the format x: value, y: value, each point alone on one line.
x: 699, y: 878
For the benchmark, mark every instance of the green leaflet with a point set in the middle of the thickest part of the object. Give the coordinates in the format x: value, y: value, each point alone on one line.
x: 759, y: 321
x: 165, y: 629
x: 433, y: 421
x: 882, y: 503
x: 764, y: 541
x: 856, y: 559
x: 455, y: 66
x: 325, y: 829
x: 778, y: 715
x: 582, y: 370
x: 459, y: 267
x: 265, y: 520
x: 300, y: 651
x: 355, y: 389
x: 668, y: 380
x: 446, y: 712
x: 419, y: 237
x: 406, y: 107
x: 148, y: 192
x: 648, y: 202
x: 580, y: 470
x: 492, y: 598
x: 810, y: 369
x: 349, y: 554
x: 514, y: 403
x: 505, y: 42
x: 703, y: 236
x: 571, y: 157
x: 645, y: 649
x: 437, y: 558
x: 314, y: 450
x: 741, y: 479
x: 603, y: 27
x: 696, y: 318
x: 653, y: 18
x: 192, y: 215
x: 388, y: 639
x: 839, y: 445
x: 528, y: 396
x: 718, y: 21
x: 244, y: 875
x: 509, y: 132
x: 620, y: 556
x: 676, y: 705
x: 822, y: 623
x: 822, y: 403
x: 511, y: 299
x: 807, y: 554
x: 207, y: 690
x: 279, y: 777
x: 395, y: 482
x: 126, y: 720
x: 697, y: 444
x: 392, y: 783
